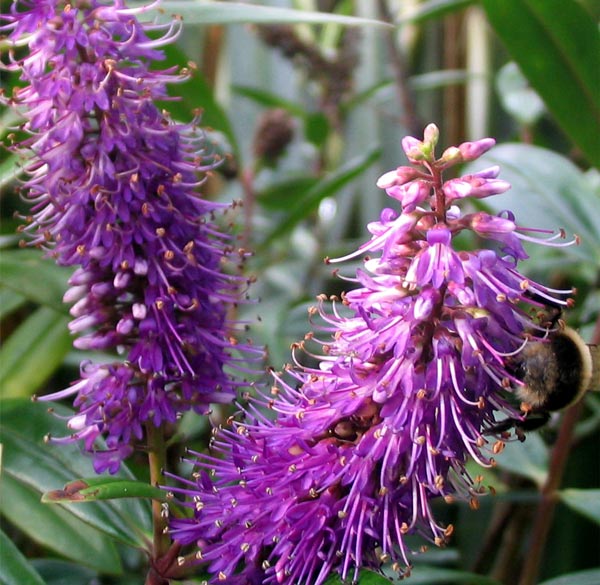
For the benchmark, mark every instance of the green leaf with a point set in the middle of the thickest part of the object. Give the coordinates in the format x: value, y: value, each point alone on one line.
x: 557, y: 46
x: 438, y: 79
x: 517, y: 97
x: 102, y: 488
x: 57, y: 529
x: 434, y: 9
x: 9, y: 301
x: 282, y: 195
x: 33, y: 352
x: 14, y: 567
x: 207, y: 12
x: 24, y: 270
x: 325, y: 188
x: 56, y: 572
x: 425, y: 575
x: 44, y: 467
x: 316, y: 128
x: 587, y: 577
x: 270, y: 100
x: 586, y: 502
x: 366, y: 577
x: 528, y: 459
x: 10, y: 170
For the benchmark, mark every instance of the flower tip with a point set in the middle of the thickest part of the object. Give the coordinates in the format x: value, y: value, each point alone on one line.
x: 431, y: 135
x: 472, y: 150
x: 387, y: 180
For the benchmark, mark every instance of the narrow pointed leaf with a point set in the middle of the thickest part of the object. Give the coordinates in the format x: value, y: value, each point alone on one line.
x: 44, y: 467
x: 33, y: 352
x: 279, y: 196
x: 270, y: 100
x: 209, y: 12
x: 557, y: 47
x: 9, y: 301
x: 14, y: 567
x: 24, y: 270
x: 325, y: 188
x: 59, y: 572
x: 102, y: 488
x: 57, y: 529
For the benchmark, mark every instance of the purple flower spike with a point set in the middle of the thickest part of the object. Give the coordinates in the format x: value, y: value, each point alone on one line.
x: 412, y: 378
x: 113, y: 185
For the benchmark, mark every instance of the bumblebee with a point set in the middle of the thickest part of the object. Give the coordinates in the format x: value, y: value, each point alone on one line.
x: 555, y: 373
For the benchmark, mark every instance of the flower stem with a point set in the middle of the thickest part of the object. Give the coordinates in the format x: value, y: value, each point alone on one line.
x: 156, y: 461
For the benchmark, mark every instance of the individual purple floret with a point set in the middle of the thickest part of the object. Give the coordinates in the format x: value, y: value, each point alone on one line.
x: 344, y: 459
x: 113, y: 185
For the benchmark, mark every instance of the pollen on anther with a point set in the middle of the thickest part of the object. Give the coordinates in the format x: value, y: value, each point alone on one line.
x: 498, y: 447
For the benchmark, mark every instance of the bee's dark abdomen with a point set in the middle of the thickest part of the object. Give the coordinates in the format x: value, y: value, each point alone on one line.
x: 568, y: 381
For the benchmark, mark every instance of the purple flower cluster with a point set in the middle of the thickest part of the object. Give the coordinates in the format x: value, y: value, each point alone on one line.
x: 113, y: 185
x: 342, y: 460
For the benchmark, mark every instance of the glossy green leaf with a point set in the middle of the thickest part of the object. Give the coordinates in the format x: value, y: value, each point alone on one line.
x: 325, y: 188
x: 517, y: 97
x: 528, y: 459
x: 24, y: 270
x: 14, y: 567
x: 434, y: 9
x: 9, y: 302
x: 57, y: 572
x: 557, y: 46
x: 209, y: 12
x: 44, y: 467
x: 586, y: 502
x: 588, y: 577
x: 33, y: 352
x: 102, y: 488
x: 56, y: 529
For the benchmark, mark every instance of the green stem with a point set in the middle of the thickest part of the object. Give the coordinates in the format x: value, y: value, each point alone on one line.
x: 157, y: 454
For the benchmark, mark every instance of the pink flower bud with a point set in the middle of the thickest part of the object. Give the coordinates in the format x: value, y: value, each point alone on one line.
x: 473, y: 150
